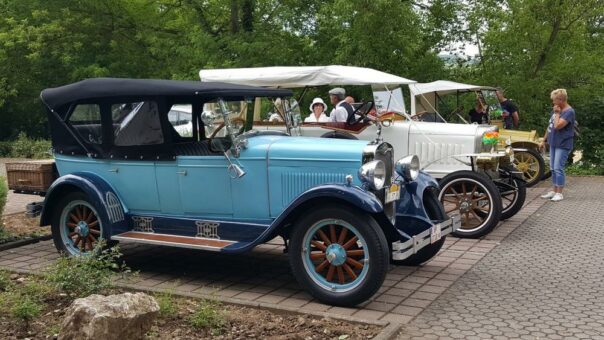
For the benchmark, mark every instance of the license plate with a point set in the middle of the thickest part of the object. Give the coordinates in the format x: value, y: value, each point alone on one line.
x: 393, y: 193
x: 435, y: 233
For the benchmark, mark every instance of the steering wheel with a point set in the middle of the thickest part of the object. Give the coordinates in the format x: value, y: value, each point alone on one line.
x: 361, y: 111
x: 221, y: 126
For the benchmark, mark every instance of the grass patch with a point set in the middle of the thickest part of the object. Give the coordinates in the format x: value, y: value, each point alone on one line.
x: 24, y: 301
x: 80, y: 276
x: 167, y: 304
x: 209, y: 317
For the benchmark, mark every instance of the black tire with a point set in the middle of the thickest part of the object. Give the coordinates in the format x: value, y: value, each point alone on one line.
x: 513, y: 196
x: 338, y: 135
x: 467, y: 204
x: 78, y: 205
x: 435, y: 211
x: 546, y: 175
x: 373, y: 246
x: 524, y: 161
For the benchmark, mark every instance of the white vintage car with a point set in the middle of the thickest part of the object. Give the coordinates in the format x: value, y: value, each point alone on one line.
x: 474, y: 181
x: 439, y: 101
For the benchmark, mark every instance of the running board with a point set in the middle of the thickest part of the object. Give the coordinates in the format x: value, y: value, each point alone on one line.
x: 173, y: 240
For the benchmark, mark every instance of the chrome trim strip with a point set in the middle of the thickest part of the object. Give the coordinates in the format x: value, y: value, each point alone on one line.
x: 402, y: 250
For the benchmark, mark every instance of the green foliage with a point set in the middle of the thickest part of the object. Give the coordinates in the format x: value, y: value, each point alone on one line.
x: 589, y: 110
x: 25, y: 147
x: 26, y: 309
x: 208, y: 316
x: 3, y: 193
x: 5, y: 148
x: 582, y: 169
x: 5, y: 282
x: 167, y: 306
x: 24, y: 301
x: 81, y: 276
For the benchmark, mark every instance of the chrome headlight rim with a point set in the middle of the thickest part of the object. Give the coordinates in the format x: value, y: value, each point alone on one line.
x: 408, y: 167
x: 373, y: 174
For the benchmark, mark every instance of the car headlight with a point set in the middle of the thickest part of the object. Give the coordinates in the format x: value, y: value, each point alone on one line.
x: 374, y: 174
x: 509, y: 151
x: 408, y: 167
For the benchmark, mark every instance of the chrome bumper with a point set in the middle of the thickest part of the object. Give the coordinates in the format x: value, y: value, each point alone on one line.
x: 402, y: 250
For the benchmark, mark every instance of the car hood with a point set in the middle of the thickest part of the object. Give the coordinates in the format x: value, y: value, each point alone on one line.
x: 317, y: 149
x: 448, y: 129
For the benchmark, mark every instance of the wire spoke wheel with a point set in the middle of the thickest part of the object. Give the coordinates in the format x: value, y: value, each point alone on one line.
x: 335, y: 255
x: 80, y: 227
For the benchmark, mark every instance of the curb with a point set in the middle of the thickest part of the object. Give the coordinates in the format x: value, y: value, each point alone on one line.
x: 388, y: 330
x: 19, y: 243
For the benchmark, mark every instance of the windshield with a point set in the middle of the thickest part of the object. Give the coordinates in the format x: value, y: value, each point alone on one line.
x: 389, y: 100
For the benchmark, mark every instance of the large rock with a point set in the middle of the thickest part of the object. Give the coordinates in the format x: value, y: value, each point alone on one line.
x: 98, y: 317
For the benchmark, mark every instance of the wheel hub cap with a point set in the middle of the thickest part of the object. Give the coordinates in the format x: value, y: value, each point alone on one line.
x: 465, y: 205
x: 336, y: 254
x: 82, y: 229
x: 523, y: 167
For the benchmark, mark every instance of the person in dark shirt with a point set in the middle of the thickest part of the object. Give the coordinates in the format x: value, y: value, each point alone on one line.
x: 478, y: 114
x: 510, y: 116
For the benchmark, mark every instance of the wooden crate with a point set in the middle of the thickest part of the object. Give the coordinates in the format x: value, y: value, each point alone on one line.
x: 31, y: 176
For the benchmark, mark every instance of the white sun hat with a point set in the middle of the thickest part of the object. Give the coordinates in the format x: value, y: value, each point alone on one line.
x: 318, y: 101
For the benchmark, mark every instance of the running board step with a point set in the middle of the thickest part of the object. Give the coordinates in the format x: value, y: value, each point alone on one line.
x: 173, y: 240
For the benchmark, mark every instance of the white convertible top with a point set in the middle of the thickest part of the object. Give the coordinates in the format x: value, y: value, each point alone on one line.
x: 302, y: 76
x: 423, y: 95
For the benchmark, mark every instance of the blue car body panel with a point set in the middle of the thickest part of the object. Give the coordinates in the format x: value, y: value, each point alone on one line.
x: 282, y: 173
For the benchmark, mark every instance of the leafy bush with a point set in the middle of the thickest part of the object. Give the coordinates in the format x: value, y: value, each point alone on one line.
x: 591, y: 142
x: 3, y: 192
x: 209, y: 317
x: 582, y: 169
x: 81, y: 276
x: 5, y: 149
x: 25, y: 147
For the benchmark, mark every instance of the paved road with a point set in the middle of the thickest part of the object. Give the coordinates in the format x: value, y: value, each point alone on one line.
x: 546, y: 280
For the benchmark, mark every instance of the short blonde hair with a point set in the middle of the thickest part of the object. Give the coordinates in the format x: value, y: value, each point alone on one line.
x: 560, y: 94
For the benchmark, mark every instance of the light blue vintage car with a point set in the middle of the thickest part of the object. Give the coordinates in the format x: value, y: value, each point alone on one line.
x: 127, y: 175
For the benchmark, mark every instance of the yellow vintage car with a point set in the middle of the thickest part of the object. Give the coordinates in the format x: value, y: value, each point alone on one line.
x: 527, y: 157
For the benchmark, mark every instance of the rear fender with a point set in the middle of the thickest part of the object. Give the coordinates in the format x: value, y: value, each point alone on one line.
x: 104, y: 199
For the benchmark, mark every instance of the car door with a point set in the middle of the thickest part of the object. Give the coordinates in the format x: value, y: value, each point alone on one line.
x: 205, y: 186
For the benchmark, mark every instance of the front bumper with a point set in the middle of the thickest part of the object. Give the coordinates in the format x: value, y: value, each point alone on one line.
x: 402, y: 250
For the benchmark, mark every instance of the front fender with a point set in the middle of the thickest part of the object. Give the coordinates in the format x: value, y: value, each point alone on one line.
x: 352, y: 195
x: 101, y: 195
x: 411, y: 215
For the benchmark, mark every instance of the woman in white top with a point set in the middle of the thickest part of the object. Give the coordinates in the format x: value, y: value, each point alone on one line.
x: 317, y: 109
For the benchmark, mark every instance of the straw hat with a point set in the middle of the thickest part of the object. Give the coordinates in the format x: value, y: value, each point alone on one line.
x: 318, y: 101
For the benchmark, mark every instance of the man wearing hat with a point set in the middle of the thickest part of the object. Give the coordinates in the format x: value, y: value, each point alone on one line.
x: 317, y: 112
x: 342, y: 109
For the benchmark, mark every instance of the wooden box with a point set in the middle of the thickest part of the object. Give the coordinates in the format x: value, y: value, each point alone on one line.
x: 31, y: 176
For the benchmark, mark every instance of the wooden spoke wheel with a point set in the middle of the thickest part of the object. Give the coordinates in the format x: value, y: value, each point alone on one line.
x: 531, y: 164
x: 78, y: 228
x: 475, y: 198
x: 335, y: 254
x: 338, y: 255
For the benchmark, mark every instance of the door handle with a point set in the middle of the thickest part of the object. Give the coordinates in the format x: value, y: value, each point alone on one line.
x: 182, y: 172
x: 115, y: 170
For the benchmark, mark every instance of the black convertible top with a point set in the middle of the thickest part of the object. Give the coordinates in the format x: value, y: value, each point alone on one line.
x: 98, y: 88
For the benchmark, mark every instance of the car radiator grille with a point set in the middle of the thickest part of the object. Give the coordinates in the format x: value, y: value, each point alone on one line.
x: 430, y: 152
x: 295, y: 183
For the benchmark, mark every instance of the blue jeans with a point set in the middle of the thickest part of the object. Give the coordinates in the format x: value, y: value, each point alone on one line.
x: 557, y: 161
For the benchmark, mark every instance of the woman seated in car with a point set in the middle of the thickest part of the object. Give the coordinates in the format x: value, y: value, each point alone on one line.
x: 317, y: 114
x: 479, y: 113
